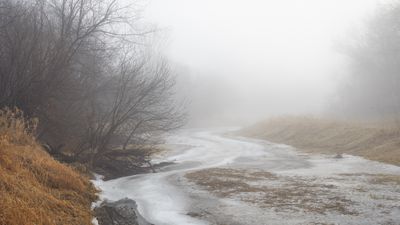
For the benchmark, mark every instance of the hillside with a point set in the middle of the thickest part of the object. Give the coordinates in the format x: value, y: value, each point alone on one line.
x: 34, y: 188
x: 373, y: 141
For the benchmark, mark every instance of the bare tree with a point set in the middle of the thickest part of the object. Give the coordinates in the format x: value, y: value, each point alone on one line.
x: 373, y: 87
x: 138, y: 100
x: 83, y: 69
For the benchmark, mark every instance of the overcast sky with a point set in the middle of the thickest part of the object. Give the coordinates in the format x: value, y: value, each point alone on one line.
x: 279, y: 53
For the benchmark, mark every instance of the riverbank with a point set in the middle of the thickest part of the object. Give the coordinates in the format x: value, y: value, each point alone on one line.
x: 35, y: 188
x: 378, y: 141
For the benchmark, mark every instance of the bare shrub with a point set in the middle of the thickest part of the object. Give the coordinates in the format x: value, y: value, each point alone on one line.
x: 87, y: 72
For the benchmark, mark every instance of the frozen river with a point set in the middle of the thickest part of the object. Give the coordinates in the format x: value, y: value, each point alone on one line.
x: 168, y: 198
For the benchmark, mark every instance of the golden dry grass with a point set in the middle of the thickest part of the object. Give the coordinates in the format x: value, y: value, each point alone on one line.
x: 34, y: 188
x: 378, y: 141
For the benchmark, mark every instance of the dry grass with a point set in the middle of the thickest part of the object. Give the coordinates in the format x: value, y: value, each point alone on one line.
x: 386, y: 179
x: 34, y: 188
x: 264, y: 189
x: 224, y: 182
x: 381, y: 179
x: 15, y: 129
x: 373, y: 141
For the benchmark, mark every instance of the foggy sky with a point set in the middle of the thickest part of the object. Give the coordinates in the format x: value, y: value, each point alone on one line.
x: 271, y: 56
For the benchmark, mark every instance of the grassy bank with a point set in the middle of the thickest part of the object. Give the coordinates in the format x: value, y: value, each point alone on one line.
x: 34, y: 188
x: 380, y: 142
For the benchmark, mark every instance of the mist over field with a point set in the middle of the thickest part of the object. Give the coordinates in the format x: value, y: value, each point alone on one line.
x: 255, y: 59
x: 188, y: 112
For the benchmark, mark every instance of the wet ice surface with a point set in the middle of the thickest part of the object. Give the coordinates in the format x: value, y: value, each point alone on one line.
x: 167, y: 197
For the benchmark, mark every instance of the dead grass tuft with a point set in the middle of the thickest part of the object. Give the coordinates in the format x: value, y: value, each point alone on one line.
x: 14, y: 128
x: 34, y: 188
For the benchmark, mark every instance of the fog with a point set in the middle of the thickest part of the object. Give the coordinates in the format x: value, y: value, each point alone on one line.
x: 261, y: 58
x: 190, y: 112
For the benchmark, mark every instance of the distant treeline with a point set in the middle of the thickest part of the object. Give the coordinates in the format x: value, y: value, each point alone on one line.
x: 373, y: 88
x: 87, y: 71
